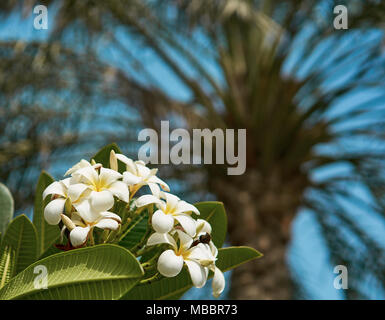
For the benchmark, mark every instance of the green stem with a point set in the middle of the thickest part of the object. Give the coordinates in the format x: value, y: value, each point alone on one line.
x: 92, y: 240
x: 105, y: 235
x: 142, y: 251
x: 148, y: 232
x: 156, y: 256
x: 148, y: 280
x: 147, y: 265
x: 111, y: 236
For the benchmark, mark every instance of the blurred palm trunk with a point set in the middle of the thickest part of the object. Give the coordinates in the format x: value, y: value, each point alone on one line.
x: 260, y: 214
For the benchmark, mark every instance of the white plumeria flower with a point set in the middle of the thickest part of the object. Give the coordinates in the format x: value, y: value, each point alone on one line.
x: 81, y: 164
x: 60, y: 193
x: 170, y: 211
x: 170, y: 262
x: 202, y: 227
x: 218, y: 284
x: 100, y: 189
x: 79, y: 234
x: 138, y: 175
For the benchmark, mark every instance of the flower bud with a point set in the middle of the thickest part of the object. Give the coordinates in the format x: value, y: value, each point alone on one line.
x: 67, y: 222
x: 113, y: 161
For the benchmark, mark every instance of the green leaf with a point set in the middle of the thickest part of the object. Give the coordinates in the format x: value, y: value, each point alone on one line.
x: 51, y: 250
x: 172, y: 288
x: 103, y: 156
x: 214, y: 212
x: 232, y: 257
x: 101, y: 272
x: 46, y: 233
x: 19, y: 245
x: 7, y: 265
x: 6, y: 207
x: 135, y: 232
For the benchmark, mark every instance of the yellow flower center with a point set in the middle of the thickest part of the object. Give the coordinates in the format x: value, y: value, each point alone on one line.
x: 184, y: 253
x: 169, y: 209
x: 99, y: 185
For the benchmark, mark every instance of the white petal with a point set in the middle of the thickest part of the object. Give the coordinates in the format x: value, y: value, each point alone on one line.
x: 188, y: 223
x: 197, y: 273
x: 159, y: 238
x: 143, y: 171
x: 185, y: 240
x: 199, y: 253
x: 75, y: 191
x: 129, y: 163
x: 162, y: 222
x: 76, y: 179
x: 113, y: 161
x: 155, y: 190
x: 78, y: 236
x: 218, y: 283
x: 87, y: 175
x: 120, y: 190
x: 85, y: 211
x: 55, y: 188
x: 213, y: 249
x: 169, y: 264
x: 109, y: 224
x: 146, y: 200
x: 101, y: 201
x: 155, y: 179
x: 111, y: 215
x: 183, y: 206
x: 162, y: 205
x: 172, y: 200
x: 108, y: 176
x: 153, y: 172
x: 203, y: 227
x: 63, y: 229
x: 77, y: 219
x: 83, y: 207
x: 53, y: 210
x: 130, y: 178
x: 81, y: 164
x: 66, y: 182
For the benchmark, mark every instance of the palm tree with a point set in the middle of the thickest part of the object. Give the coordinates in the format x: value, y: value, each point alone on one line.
x: 279, y: 70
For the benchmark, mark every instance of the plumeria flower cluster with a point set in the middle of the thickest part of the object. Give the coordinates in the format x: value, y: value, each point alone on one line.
x: 85, y: 199
x: 189, y: 239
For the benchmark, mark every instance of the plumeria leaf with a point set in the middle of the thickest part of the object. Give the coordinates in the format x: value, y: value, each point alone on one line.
x: 7, y: 265
x: 231, y: 257
x: 101, y: 272
x: 19, y: 245
x: 135, y: 232
x: 51, y: 250
x: 214, y: 212
x: 47, y: 234
x: 6, y: 207
x: 103, y: 156
x: 174, y: 288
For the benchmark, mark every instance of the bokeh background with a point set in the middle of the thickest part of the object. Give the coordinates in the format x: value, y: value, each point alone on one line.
x: 311, y: 97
